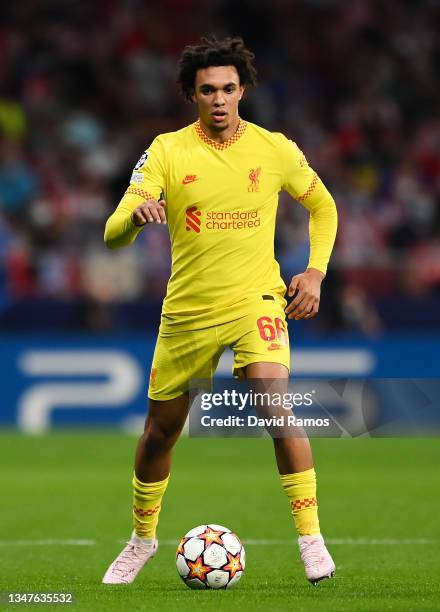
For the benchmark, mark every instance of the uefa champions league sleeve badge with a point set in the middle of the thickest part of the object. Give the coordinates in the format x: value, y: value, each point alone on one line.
x: 142, y: 160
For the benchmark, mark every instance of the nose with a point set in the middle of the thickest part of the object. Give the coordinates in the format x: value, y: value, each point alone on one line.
x: 219, y: 99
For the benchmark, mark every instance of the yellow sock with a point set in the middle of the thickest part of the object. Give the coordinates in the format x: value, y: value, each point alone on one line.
x: 301, y: 491
x: 147, y: 498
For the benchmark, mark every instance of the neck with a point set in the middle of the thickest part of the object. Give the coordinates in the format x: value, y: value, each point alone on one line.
x: 222, y: 134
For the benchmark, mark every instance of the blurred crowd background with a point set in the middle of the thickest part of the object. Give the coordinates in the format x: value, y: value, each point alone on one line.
x: 86, y: 86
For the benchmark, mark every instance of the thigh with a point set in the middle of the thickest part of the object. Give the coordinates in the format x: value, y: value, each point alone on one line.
x: 261, y: 336
x: 168, y: 417
x: 267, y: 369
x: 180, y: 357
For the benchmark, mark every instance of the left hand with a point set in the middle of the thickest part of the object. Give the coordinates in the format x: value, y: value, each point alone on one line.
x: 305, y: 305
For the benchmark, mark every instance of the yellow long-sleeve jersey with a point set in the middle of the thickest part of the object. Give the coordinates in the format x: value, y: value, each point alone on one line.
x: 221, y: 203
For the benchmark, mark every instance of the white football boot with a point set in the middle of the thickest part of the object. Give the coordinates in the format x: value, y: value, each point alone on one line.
x: 318, y: 563
x: 130, y: 561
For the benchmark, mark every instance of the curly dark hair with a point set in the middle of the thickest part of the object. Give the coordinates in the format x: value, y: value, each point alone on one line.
x: 213, y: 52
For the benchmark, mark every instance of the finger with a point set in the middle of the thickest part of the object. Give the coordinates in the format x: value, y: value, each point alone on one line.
x: 144, y: 212
x: 314, y: 312
x: 305, y: 309
x: 154, y: 212
x: 299, y: 298
x: 299, y: 310
x: 162, y: 215
x: 138, y: 217
x: 291, y: 308
x: 147, y: 208
x: 148, y: 216
x: 293, y: 285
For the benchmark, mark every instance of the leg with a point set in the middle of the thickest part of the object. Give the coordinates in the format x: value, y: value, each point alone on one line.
x: 295, y: 465
x: 292, y: 454
x: 163, y: 425
x: 177, y: 359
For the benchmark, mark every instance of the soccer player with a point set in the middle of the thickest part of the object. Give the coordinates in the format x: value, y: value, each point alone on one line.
x: 215, y: 183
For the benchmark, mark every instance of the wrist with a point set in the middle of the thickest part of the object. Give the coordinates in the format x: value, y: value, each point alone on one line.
x: 315, y: 273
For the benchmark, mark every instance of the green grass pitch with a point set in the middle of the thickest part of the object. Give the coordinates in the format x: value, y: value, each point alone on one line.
x: 379, y: 509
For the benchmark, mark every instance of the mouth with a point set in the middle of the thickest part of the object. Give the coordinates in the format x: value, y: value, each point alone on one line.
x: 218, y: 115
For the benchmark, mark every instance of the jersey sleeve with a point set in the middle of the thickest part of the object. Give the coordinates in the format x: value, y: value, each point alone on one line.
x: 147, y: 183
x: 305, y: 186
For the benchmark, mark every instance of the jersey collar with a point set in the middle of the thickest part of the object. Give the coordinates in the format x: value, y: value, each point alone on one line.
x: 220, y: 146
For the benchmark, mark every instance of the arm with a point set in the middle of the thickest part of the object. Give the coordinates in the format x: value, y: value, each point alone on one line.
x: 322, y: 225
x: 141, y: 203
x: 129, y: 218
x: 305, y: 186
x: 322, y: 231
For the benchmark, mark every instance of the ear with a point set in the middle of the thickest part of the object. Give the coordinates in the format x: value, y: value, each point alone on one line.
x: 242, y: 89
x: 193, y: 97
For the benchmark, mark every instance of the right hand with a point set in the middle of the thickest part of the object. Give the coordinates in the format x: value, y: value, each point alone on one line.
x: 150, y: 211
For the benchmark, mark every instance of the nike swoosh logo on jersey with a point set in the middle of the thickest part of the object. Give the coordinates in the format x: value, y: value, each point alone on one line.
x: 273, y: 347
x: 190, y: 178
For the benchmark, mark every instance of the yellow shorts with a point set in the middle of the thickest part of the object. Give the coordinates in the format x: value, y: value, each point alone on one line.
x: 261, y: 335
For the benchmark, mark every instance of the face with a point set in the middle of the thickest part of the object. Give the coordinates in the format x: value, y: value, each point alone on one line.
x: 217, y: 94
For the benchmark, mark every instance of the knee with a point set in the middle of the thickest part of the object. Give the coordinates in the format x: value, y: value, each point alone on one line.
x: 157, y: 438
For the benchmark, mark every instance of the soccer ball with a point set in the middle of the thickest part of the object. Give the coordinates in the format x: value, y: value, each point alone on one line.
x: 210, y: 557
